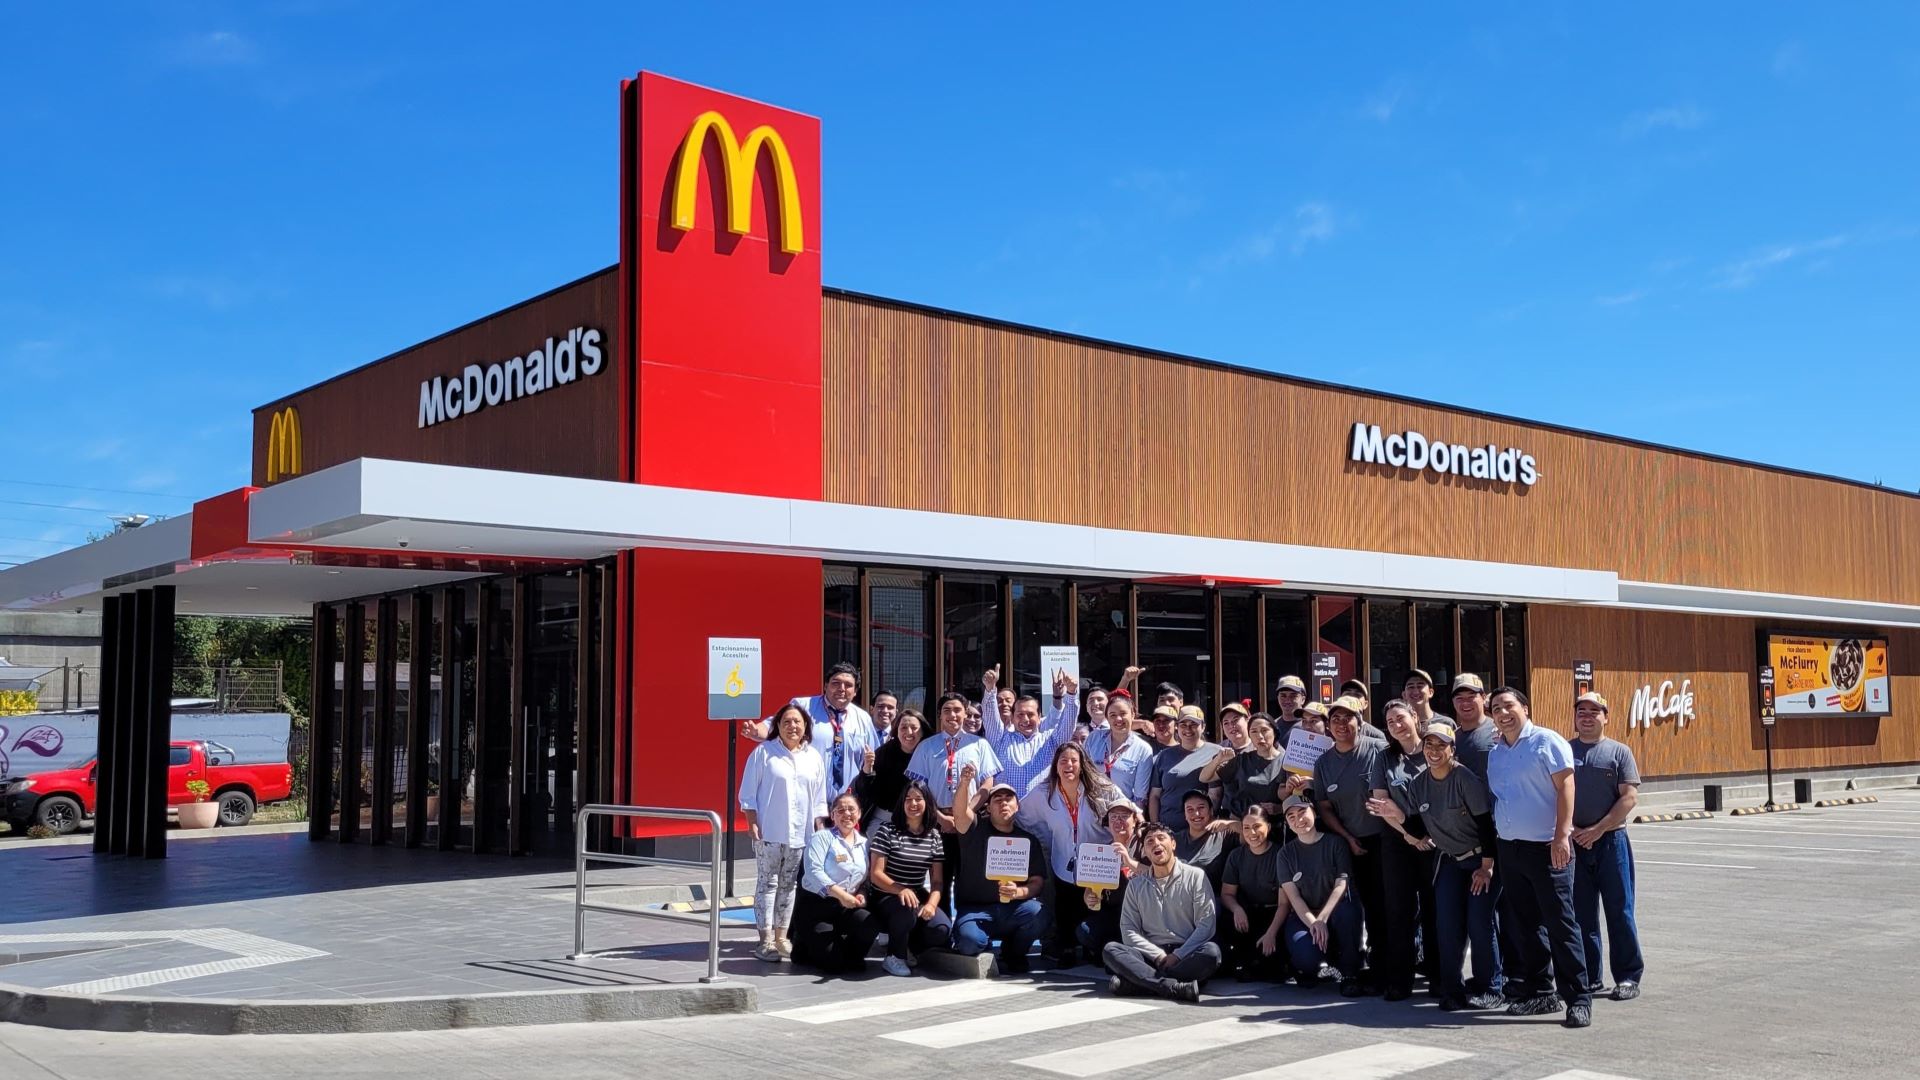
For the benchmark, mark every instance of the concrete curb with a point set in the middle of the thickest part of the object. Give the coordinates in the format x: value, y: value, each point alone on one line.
x: 1854, y: 801
x: 20, y: 1005
x: 1686, y: 815
x: 1779, y: 808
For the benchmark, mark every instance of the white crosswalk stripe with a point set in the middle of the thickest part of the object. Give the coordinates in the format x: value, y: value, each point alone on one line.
x: 1583, y: 1074
x: 1378, y: 1061
x: 1182, y: 1042
x: 942, y: 995
x: 1011, y: 1025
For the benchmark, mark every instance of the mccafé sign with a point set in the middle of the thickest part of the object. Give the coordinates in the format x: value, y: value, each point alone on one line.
x: 1414, y: 452
x: 1665, y: 703
x: 561, y: 360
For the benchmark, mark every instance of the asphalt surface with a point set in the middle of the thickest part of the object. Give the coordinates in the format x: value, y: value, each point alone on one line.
x: 1779, y: 946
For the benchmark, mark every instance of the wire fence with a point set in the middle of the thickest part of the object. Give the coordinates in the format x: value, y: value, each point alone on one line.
x: 232, y: 688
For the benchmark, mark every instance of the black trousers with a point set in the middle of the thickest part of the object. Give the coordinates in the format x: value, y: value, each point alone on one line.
x: 908, y: 935
x: 830, y: 937
x: 1068, y: 910
x: 1243, y: 955
x: 1369, y: 882
x: 1406, y: 886
x: 1542, y: 900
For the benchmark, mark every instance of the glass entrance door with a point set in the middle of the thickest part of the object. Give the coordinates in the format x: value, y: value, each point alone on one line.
x: 550, y: 777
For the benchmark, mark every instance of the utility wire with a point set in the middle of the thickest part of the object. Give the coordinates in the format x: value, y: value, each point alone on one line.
x: 102, y: 490
x: 98, y: 511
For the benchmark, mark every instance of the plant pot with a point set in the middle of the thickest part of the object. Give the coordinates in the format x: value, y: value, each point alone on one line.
x: 433, y: 808
x: 199, y: 815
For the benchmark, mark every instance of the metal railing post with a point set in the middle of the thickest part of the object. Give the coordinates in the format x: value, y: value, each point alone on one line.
x: 582, y: 856
x: 713, y: 911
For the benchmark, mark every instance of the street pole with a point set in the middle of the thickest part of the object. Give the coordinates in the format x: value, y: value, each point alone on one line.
x: 1769, y: 730
x: 726, y: 834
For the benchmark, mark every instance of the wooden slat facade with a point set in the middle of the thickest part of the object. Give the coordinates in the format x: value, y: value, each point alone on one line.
x: 930, y: 411
x: 1630, y: 649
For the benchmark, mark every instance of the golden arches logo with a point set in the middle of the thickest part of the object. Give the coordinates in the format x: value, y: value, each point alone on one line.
x: 283, y: 445
x: 739, y: 171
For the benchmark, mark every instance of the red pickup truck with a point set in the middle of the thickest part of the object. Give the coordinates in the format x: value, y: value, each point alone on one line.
x: 63, y: 798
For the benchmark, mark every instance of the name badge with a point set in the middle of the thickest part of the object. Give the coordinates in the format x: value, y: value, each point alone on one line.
x: 1423, y: 807
x: 839, y: 858
x: 1331, y: 788
x: 1298, y: 874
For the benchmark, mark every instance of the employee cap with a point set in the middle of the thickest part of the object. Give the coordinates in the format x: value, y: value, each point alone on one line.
x: 1355, y: 688
x: 1351, y: 704
x: 1439, y: 729
x: 1421, y: 674
x: 1234, y: 707
x: 1295, y: 802
x: 1193, y: 713
x: 1594, y: 697
x: 1167, y: 711
x: 1467, y: 680
x: 1291, y: 682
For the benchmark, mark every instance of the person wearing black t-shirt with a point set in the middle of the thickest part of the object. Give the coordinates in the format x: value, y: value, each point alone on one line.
x: 984, y: 908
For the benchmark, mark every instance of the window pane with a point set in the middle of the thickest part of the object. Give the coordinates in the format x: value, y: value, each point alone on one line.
x: 1039, y: 619
x: 1388, y: 656
x: 403, y: 649
x: 553, y: 708
x: 1434, y: 647
x: 431, y: 684
x: 902, y: 662
x: 1289, y: 641
x: 1175, y: 643
x: 1337, y: 635
x: 1516, y: 648
x: 1240, y: 659
x: 496, y: 764
x: 1106, y: 641
x: 469, y: 651
x: 1479, y: 652
x: 972, y: 631
x: 369, y: 719
x: 336, y: 666
x: 842, y: 637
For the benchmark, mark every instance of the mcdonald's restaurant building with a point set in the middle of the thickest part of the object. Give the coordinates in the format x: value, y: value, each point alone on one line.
x: 543, y: 515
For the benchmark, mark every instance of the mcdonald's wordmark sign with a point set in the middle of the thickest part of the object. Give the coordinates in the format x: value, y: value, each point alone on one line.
x: 721, y: 220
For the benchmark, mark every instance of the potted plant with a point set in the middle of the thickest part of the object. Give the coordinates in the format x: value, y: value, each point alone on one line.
x: 199, y: 814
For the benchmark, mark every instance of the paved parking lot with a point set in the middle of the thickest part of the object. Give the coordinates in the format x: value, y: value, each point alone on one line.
x: 1782, y: 946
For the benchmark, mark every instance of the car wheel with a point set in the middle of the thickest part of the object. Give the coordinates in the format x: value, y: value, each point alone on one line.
x: 236, y: 808
x: 59, y: 813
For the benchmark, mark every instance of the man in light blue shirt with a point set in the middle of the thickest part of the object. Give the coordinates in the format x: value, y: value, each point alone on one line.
x: 940, y: 758
x: 1026, y: 748
x: 842, y: 731
x: 1530, y: 772
x: 1119, y: 752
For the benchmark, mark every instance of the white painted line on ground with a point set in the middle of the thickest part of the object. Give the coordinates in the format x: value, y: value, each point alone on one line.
x: 251, y: 951
x: 964, y: 992
x: 1182, y: 1042
x: 1708, y: 865
x: 1012, y: 1025
x: 1751, y: 830
x: 1584, y: 1074
x: 1377, y: 1062
x: 1758, y: 847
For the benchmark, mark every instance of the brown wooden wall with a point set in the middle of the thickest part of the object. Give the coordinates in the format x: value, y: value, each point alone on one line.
x: 571, y: 430
x: 935, y: 412
x: 1630, y: 649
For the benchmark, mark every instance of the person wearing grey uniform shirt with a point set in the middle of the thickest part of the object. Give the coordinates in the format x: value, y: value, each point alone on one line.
x: 1253, y: 776
x: 1323, y: 922
x: 1473, y: 741
x: 1406, y: 866
x: 1167, y: 922
x: 1450, y: 806
x: 1344, y: 778
x: 1606, y: 787
x: 1176, y: 768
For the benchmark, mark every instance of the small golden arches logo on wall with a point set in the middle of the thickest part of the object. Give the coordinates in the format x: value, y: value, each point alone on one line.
x: 283, y: 445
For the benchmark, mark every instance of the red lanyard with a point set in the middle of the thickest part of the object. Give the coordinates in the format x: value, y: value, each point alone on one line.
x: 1073, y: 812
x: 834, y: 719
x: 1113, y: 752
x: 951, y: 744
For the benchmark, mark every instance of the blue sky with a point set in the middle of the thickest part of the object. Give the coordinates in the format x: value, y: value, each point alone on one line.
x: 1693, y: 224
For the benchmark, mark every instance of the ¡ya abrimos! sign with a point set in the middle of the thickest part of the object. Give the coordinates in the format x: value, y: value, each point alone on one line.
x: 1415, y: 452
x: 556, y: 363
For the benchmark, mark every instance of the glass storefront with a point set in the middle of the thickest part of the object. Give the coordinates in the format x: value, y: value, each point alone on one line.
x: 1240, y: 649
x: 842, y: 637
x: 1174, y: 642
x: 1389, y: 651
x: 899, y: 646
x: 1039, y: 619
x: 972, y: 637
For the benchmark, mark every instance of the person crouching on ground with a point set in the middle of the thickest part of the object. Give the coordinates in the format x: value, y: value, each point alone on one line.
x: 1323, y: 921
x: 906, y: 867
x: 985, y: 908
x: 834, y: 927
x: 1167, y: 922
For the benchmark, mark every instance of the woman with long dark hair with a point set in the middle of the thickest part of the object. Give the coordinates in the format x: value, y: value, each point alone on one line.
x: 880, y: 790
x: 906, y: 866
x: 1406, y: 863
x: 1068, y: 809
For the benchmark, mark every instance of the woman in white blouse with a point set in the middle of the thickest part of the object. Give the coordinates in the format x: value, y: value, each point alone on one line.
x: 782, y: 792
x: 833, y: 928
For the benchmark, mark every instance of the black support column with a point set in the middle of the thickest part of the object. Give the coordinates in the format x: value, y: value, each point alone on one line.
x: 353, y: 726
x: 159, y: 708
x: 517, y: 824
x: 322, y: 731
x: 112, y: 743
x: 385, y: 655
x: 453, y: 710
x: 419, y: 715
x: 136, y: 723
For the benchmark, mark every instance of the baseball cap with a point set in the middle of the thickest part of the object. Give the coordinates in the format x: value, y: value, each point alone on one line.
x: 1355, y: 688
x: 1193, y: 713
x: 1234, y: 707
x: 1350, y: 703
x: 1595, y: 698
x: 1000, y: 787
x: 1291, y: 682
x: 1440, y: 729
x: 1124, y: 803
x: 1167, y: 711
x: 1467, y: 680
x: 1295, y: 802
x: 1418, y: 673
x: 1315, y: 708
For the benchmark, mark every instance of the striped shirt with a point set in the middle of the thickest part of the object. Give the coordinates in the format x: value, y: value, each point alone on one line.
x: 908, y: 856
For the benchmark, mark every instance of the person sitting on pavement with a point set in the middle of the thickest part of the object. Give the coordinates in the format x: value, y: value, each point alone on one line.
x: 783, y: 791
x: 1102, y: 924
x: 833, y: 926
x: 1323, y: 921
x: 1167, y: 923
x: 1250, y: 899
x: 1606, y: 788
x: 1450, y: 806
x: 907, y: 872
x: 985, y: 908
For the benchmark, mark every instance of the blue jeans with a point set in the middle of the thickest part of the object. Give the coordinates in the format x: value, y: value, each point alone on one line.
x: 1551, y: 959
x: 1017, y: 925
x: 1464, y: 919
x: 1343, y: 941
x: 1603, y: 878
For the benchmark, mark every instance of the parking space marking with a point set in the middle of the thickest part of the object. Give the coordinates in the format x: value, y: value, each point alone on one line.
x: 1703, y: 865
x: 1751, y: 830
x: 1758, y: 847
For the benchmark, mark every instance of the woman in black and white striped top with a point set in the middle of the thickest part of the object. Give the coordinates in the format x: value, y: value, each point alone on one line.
x: 906, y: 858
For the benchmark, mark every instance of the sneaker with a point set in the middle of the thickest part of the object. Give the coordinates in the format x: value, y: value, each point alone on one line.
x: 784, y: 947
x: 896, y: 966
x: 913, y: 961
x: 1307, y: 980
x: 1186, y: 991
x: 1116, y: 986
x: 1626, y: 991
x: 1014, y: 965
x: 1454, y: 1003
x: 1350, y: 987
x: 1578, y: 1016
x: 765, y: 951
x: 1397, y: 992
x: 1486, y: 1002
x: 1535, y: 1006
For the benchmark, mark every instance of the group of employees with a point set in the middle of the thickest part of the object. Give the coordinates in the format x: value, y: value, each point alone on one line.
x: 1478, y: 852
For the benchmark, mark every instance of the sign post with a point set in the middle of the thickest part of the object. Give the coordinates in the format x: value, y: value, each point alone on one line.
x: 1058, y: 658
x: 1766, y: 723
x: 733, y: 693
x: 1326, y: 675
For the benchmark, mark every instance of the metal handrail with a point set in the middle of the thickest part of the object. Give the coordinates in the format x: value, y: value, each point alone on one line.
x: 581, y: 856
